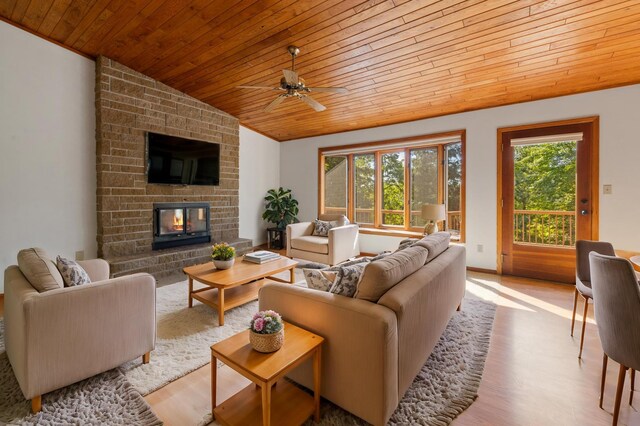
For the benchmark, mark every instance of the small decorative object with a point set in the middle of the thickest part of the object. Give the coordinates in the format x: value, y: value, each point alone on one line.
x: 223, y: 255
x: 281, y: 207
x: 266, y: 332
x: 432, y: 213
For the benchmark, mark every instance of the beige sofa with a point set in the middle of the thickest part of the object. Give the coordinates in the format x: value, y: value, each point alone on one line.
x: 373, y: 351
x: 64, y: 335
x: 341, y: 244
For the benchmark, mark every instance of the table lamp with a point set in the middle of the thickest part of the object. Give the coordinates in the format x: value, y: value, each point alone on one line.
x: 432, y: 213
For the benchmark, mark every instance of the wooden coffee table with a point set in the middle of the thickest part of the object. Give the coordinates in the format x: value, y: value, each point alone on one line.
x: 235, y: 286
x: 265, y: 402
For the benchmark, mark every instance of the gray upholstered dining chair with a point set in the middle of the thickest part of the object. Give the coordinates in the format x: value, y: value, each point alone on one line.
x: 616, y: 296
x: 583, y: 279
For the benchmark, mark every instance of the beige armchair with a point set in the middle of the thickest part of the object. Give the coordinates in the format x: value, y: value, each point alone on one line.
x: 61, y: 336
x: 340, y: 245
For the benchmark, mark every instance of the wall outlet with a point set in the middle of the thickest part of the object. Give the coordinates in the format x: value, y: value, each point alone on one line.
x: 80, y: 255
x: 480, y: 248
x: 607, y: 189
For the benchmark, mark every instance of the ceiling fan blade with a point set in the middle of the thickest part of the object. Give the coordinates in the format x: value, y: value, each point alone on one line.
x: 291, y: 77
x: 312, y: 103
x: 257, y: 87
x: 274, y: 103
x: 328, y: 89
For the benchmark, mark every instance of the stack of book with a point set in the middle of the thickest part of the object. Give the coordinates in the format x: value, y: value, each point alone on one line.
x: 261, y: 256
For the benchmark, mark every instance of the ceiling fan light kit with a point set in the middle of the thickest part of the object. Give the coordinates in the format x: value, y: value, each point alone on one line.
x: 294, y: 86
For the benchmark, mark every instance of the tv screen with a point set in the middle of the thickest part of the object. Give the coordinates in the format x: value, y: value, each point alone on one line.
x: 179, y: 161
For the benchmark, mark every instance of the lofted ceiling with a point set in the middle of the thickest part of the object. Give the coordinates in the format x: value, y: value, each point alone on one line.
x: 401, y: 60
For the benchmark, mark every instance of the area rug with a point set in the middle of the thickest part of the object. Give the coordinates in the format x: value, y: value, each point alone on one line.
x: 107, y: 398
x: 447, y: 384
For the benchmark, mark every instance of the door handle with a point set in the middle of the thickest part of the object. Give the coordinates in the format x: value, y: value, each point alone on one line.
x: 584, y: 212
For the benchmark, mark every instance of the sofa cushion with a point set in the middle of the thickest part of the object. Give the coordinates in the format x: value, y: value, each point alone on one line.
x: 348, y: 279
x: 436, y: 243
x: 406, y: 243
x: 384, y: 273
x: 318, y: 279
x: 39, y: 270
x: 311, y: 243
x: 72, y: 273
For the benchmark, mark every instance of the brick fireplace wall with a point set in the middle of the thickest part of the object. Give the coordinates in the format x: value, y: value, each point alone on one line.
x: 128, y: 104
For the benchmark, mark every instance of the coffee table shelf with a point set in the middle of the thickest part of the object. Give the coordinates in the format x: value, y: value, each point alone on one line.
x: 236, y: 286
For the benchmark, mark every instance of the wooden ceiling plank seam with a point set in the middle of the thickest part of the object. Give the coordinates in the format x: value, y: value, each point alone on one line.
x: 89, y: 20
x: 54, y: 14
x: 6, y: 8
x: 35, y: 13
x: 20, y: 8
x: 250, y: 14
x: 121, y: 18
x: 70, y: 18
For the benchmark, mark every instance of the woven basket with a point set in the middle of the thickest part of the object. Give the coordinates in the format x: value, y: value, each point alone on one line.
x: 266, y: 343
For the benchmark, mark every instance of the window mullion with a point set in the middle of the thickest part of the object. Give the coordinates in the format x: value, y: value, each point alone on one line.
x: 350, y: 191
x: 377, y: 198
x: 407, y: 189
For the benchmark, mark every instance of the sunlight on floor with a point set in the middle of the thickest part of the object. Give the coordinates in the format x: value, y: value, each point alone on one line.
x: 489, y: 288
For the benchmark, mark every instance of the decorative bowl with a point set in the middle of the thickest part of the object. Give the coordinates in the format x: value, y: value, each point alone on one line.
x: 224, y: 264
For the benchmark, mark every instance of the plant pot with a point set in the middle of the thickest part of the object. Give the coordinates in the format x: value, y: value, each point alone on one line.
x: 266, y: 343
x: 224, y: 264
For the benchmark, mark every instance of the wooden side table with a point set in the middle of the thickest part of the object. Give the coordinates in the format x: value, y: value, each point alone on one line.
x: 266, y: 403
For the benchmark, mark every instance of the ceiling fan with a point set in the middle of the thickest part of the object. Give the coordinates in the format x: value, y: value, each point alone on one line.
x: 294, y: 86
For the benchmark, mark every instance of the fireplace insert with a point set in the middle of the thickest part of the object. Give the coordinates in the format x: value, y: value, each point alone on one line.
x: 179, y: 224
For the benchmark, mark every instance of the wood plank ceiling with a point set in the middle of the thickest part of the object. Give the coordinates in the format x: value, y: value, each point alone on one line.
x: 401, y: 60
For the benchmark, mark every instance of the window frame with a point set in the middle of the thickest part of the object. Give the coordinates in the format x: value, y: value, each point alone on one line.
x: 377, y: 149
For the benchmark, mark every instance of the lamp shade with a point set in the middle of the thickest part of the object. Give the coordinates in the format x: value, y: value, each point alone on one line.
x: 433, y: 212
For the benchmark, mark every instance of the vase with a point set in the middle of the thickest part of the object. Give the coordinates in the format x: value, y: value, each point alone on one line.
x: 223, y: 264
x: 266, y: 343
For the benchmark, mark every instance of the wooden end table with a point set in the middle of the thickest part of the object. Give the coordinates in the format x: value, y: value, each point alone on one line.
x: 228, y: 288
x: 266, y: 403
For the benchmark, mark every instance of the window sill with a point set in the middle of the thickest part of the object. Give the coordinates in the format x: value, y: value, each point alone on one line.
x: 391, y: 232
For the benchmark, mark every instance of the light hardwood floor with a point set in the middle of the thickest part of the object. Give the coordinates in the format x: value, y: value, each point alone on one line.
x: 532, y: 376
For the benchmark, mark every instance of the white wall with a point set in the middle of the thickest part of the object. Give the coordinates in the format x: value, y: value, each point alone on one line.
x: 619, y: 163
x: 47, y: 148
x: 259, y: 172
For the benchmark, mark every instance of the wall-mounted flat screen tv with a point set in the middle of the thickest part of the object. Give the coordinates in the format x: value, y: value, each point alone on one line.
x: 179, y: 161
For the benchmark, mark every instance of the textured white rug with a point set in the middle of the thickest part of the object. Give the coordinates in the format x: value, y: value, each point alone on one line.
x: 185, y: 336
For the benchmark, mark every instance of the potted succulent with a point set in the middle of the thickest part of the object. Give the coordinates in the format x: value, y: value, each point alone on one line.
x: 266, y: 331
x: 281, y: 207
x: 223, y: 255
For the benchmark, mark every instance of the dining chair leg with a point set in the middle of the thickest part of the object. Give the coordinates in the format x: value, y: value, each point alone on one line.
x: 584, y: 323
x: 633, y: 379
x: 605, y: 358
x: 575, y: 305
x: 616, y: 408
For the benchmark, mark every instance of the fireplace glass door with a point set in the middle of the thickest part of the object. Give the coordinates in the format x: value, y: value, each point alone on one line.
x: 171, y: 221
x: 196, y: 219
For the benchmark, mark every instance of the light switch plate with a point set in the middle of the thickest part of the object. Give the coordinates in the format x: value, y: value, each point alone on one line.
x: 80, y: 255
x: 607, y: 189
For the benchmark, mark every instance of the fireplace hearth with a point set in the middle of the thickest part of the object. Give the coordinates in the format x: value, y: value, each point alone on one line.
x: 180, y: 224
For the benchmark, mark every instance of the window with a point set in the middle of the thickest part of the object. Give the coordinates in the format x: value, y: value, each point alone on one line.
x: 383, y: 185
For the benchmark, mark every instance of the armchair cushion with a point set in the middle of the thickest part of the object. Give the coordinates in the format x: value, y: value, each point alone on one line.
x: 311, y: 243
x: 72, y: 273
x: 39, y: 270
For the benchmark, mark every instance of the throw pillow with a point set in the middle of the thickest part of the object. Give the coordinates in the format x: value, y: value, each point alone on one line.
x: 406, y: 243
x: 318, y: 279
x: 72, y: 273
x: 321, y: 227
x: 348, y: 279
x: 39, y: 270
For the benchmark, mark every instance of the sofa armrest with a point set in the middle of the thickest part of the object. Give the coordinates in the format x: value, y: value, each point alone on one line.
x: 76, y: 332
x: 343, y: 243
x: 97, y: 269
x: 360, y: 353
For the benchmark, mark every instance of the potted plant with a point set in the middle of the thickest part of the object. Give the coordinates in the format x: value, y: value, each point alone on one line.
x: 223, y: 255
x: 266, y: 331
x: 281, y: 207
